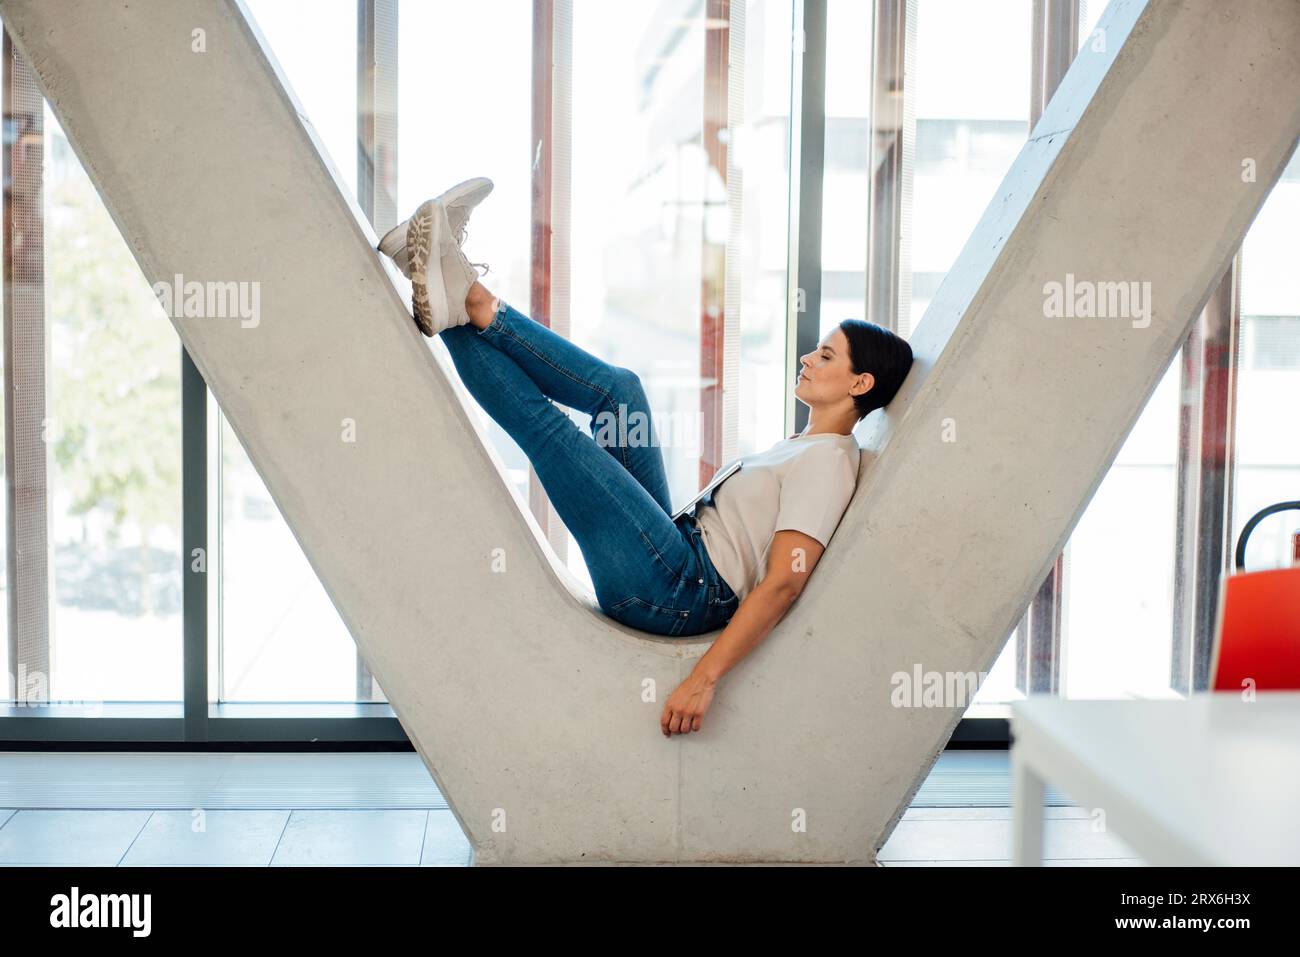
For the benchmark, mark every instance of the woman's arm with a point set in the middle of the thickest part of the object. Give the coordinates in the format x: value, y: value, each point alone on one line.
x: 790, y: 562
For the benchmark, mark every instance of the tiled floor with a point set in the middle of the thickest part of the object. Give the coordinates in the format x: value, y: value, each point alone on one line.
x: 250, y: 838
x: 383, y: 809
x: 981, y: 837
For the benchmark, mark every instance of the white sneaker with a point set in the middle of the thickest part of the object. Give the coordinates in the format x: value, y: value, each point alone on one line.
x: 441, y: 276
x: 460, y: 200
x: 439, y: 273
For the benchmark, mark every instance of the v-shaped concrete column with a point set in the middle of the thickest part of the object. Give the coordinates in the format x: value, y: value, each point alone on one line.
x: 530, y: 709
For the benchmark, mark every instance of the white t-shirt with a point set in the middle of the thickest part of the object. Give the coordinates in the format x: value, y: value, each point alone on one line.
x: 803, y: 483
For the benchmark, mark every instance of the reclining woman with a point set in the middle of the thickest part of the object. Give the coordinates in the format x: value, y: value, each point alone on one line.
x: 742, y: 558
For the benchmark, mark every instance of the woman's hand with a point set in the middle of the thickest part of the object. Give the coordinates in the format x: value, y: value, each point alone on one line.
x: 687, y: 705
x: 762, y: 608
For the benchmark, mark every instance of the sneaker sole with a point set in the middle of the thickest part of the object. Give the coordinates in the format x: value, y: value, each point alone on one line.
x: 421, y: 245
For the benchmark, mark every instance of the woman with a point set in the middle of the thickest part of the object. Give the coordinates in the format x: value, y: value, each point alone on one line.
x: 742, y: 558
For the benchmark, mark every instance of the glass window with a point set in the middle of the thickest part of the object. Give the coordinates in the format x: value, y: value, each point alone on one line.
x: 114, y: 466
x: 316, y: 47
x: 972, y: 117
x: 1268, y: 376
x: 763, y: 148
x: 1118, y: 618
x: 845, y: 183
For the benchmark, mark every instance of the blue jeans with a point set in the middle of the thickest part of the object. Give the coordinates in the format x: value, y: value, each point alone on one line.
x: 648, y: 572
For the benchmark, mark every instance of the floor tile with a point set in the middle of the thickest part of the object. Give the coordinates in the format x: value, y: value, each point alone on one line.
x: 318, y: 838
x: 93, y: 838
x: 445, y: 844
x: 216, y: 838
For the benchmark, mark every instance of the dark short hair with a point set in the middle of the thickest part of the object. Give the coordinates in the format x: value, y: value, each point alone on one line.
x: 884, y: 354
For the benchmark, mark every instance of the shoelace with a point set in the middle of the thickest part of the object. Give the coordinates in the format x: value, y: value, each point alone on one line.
x: 462, y: 233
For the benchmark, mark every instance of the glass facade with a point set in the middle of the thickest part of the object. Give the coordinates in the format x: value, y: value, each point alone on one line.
x: 972, y: 118
x: 113, y: 434
x: 1267, y: 461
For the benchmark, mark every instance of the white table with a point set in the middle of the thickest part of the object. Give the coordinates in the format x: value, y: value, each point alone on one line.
x: 1206, y: 781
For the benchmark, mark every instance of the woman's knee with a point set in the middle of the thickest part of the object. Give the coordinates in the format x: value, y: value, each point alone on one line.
x: 623, y: 383
x: 627, y: 396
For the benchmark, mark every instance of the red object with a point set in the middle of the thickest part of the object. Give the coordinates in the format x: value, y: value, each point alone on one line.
x: 1259, y: 631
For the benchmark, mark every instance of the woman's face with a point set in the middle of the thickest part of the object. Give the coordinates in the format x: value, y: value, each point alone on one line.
x: 825, y: 375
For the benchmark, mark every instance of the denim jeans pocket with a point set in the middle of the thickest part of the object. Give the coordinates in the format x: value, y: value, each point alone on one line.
x: 656, y: 619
